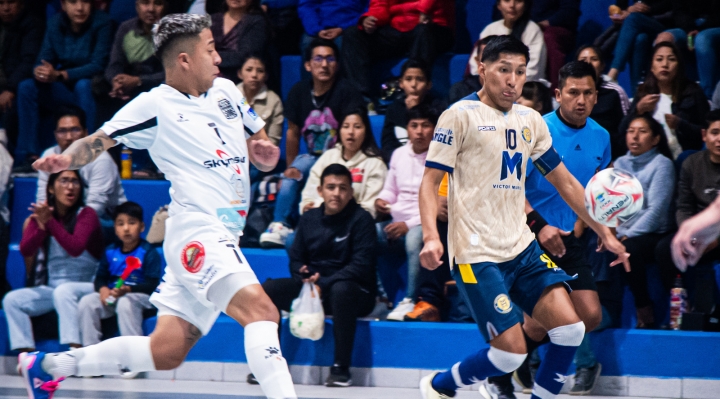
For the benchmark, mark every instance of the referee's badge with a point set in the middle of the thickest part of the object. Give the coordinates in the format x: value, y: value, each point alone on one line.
x: 526, y: 135
x: 227, y: 108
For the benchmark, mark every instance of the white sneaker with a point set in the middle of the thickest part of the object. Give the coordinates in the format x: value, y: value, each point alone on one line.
x: 488, y: 390
x: 129, y: 375
x: 275, y: 235
x: 404, y: 307
x: 426, y: 389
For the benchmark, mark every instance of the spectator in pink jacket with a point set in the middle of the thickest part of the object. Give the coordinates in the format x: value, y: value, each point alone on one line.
x: 399, y: 199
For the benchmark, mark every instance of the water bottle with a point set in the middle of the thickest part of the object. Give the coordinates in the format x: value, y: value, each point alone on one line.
x: 678, y: 303
x: 126, y: 163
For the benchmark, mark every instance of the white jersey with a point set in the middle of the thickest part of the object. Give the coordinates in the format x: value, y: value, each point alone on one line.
x: 200, y: 145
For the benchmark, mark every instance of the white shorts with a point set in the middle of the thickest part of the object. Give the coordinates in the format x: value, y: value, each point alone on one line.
x: 199, y: 251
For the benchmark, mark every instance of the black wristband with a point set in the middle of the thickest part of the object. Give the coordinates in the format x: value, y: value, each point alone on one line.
x: 535, y: 222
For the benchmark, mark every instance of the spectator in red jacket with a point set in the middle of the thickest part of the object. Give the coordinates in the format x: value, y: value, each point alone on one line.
x: 419, y: 29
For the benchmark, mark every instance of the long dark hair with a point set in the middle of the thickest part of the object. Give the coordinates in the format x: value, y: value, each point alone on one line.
x: 679, y: 84
x: 70, y: 217
x: 368, y: 147
x: 599, y: 53
x: 521, y: 23
x: 657, y: 131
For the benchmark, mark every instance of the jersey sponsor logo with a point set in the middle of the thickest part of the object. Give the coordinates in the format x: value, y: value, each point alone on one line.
x: 577, y: 148
x: 486, y: 128
x: 193, y: 256
x: 181, y: 118
x: 523, y: 113
x: 444, y: 136
x: 227, y: 109
x: 207, y: 277
x: 525, y: 134
x: 226, y: 161
x: 511, y: 165
x: 502, y: 304
x: 252, y: 113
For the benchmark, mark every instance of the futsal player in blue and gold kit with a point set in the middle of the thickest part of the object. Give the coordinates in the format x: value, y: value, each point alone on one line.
x: 584, y: 147
x: 484, y: 143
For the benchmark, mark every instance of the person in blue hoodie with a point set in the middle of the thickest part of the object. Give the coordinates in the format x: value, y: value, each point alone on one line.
x: 650, y: 161
x: 328, y: 19
x: 76, y: 47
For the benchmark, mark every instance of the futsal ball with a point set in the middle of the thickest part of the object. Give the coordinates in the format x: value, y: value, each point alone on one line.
x: 612, y: 197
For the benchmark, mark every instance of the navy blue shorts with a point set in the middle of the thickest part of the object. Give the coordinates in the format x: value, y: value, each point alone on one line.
x: 492, y: 290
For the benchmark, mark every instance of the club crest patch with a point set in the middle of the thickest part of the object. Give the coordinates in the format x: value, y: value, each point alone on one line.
x: 227, y: 109
x: 193, y: 256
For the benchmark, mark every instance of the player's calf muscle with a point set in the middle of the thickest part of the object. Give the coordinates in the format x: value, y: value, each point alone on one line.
x: 171, y: 341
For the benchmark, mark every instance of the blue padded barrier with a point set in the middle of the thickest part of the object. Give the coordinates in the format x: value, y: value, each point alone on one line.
x: 376, y: 124
x: 457, y: 67
x: 291, y: 68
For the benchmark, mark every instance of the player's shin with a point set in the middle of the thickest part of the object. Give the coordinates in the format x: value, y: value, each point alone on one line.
x: 475, y: 368
x: 262, y: 349
x: 111, y: 357
x: 551, y: 375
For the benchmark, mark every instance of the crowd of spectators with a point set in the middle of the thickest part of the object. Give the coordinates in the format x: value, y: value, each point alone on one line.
x: 347, y: 201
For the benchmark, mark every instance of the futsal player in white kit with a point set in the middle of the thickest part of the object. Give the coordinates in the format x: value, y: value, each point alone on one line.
x: 202, y: 134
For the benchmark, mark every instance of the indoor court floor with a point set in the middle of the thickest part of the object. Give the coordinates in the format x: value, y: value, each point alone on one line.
x: 11, y: 387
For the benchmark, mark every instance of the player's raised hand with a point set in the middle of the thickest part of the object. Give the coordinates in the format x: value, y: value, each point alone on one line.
x: 612, y: 244
x: 431, y: 254
x: 53, y: 163
x: 264, y: 153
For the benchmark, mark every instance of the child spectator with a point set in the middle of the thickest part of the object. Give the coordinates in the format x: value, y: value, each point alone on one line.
x: 558, y: 20
x: 335, y: 249
x: 641, y: 23
x: 420, y: 30
x: 415, y: 82
x: 399, y: 199
x: 697, y: 188
x: 133, y: 297
x: 471, y: 82
x: 536, y: 95
x: 612, y: 101
x: 649, y: 159
x: 676, y: 102
x: 356, y: 151
x: 104, y: 189
x: 23, y: 34
x: 516, y: 22
x: 238, y: 32
x: 313, y: 109
x: 63, y: 241
x: 75, y: 49
x: 133, y: 67
x: 253, y: 76
x: 328, y: 19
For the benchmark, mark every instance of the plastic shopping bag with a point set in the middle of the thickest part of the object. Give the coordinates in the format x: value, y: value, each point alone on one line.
x: 307, y: 318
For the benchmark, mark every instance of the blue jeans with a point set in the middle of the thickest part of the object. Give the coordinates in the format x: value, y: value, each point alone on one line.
x: 32, y: 95
x: 288, y: 199
x: 634, y: 45
x: 412, y: 244
x: 707, y: 56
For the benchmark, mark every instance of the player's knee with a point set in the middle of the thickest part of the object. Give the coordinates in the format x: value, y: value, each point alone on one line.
x: 507, y: 362
x: 592, y: 320
x: 568, y: 335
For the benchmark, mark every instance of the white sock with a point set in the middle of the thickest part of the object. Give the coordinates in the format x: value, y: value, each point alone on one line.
x: 111, y: 357
x: 262, y: 349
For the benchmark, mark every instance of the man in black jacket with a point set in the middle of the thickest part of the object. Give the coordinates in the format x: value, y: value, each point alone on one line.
x: 334, y: 248
x: 21, y: 34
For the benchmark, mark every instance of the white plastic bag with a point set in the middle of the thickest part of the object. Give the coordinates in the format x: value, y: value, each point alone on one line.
x: 307, y: 318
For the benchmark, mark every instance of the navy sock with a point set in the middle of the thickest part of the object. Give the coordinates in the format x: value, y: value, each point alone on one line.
x: 551, y: 375
x: 472, y: 369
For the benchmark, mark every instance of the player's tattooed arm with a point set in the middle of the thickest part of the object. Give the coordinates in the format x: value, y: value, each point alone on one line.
x: 87, y: 149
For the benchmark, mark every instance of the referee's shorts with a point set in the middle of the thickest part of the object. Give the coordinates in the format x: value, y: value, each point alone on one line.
x: 575, y: 262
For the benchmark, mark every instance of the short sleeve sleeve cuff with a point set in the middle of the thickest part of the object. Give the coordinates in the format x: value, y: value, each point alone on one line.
x: 435, y: 165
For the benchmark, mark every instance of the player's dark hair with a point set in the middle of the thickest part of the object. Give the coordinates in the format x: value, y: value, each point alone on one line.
x: 71, y: 111
x: 175, y: 28
x: 335, y: 170
x: 132, y: 209
x: 417, y: 64
x: 504, y: 44
x: 538, y: 92
x: 657, y: 131
x: 577, y: 70
x: 369, y: 146
x: 68, y: 221
x: 423, y: 111
x: 320, y: 42
x: 712, y: 117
